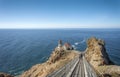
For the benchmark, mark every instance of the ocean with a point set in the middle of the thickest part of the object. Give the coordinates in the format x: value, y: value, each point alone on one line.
x: 20, y: 49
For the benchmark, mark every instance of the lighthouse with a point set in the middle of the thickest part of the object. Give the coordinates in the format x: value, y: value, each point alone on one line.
x: 59, y: 43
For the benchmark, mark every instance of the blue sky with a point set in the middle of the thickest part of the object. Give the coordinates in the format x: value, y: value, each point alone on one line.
x: 59, y: 13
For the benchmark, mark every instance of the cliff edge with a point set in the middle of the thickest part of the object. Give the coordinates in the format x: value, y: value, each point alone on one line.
x: 96, y: 53
x: 57, y: 59
x: 97, y: 56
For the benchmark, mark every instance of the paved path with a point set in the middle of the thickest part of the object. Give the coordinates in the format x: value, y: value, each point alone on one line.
x: 79, y: 67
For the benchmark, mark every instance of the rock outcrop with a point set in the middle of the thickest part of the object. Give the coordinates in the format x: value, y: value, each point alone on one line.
x: 57, y: 59
x: 109, y: 71
x: 5, y: 75
x: 97, y: 56
x: 96, y: 53
x: 56, y: 55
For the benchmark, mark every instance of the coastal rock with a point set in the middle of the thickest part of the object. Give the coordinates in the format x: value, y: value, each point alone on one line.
x: 57, y: 59
x: 97, y: 56
x: 96, y: 53
x: 56, y: 55
x: 5, y: 75
x: 109, y: 71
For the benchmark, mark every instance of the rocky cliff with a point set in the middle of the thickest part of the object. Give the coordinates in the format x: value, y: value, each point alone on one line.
x: 97, y: 56
x: 57, y: 59
x: 96, y: 53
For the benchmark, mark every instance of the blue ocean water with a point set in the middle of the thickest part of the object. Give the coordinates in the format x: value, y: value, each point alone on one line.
x: 20, y: 49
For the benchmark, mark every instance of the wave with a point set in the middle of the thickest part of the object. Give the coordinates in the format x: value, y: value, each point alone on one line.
x: 74, y: 47
x: 77, y: 43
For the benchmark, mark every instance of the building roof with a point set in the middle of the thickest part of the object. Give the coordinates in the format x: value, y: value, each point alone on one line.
x: 68, y: 45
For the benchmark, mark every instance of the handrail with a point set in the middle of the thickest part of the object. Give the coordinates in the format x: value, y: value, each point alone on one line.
x: 63, y: 68
x: 67, y: 69
x: 71, y: 71
x: 97, y: 73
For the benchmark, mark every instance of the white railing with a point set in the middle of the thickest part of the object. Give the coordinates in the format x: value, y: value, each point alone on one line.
x: 65, y: 70
x: 89, y: 70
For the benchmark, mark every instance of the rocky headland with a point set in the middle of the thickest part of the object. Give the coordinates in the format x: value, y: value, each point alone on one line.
x: 95, y: 54
x: 59, y: 57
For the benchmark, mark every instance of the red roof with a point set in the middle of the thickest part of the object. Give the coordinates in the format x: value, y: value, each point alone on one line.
x: 67, y: 45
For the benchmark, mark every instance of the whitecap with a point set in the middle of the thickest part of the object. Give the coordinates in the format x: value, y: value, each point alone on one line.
x: 74, y: 47
x: 76, y: 43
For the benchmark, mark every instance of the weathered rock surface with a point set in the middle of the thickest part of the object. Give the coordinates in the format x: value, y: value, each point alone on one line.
x: 96, y: 53
x: 97, y: 56
x: 58, y: 58
x: 109, y: 71
x: 5, y: 75
x: 56, y: 55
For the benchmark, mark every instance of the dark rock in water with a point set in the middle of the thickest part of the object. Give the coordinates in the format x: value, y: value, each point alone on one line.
x: 5, y: 75
x: 96, y: 53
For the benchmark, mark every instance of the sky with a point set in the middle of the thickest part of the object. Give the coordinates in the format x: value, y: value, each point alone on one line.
x: 59, y: 13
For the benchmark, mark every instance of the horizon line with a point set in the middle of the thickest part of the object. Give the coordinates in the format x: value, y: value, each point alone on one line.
x: 62, y: 28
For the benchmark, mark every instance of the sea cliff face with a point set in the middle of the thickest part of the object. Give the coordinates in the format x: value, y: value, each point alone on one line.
x: 97, y: 56
x: 96, y: 53
x: 57, y: 59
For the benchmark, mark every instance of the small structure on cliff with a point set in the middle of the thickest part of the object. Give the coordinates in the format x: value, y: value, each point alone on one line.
x: 59, y: 43
x: 67, y: 46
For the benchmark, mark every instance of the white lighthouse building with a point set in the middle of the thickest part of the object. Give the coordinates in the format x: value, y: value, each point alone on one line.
x: 59, y: 43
